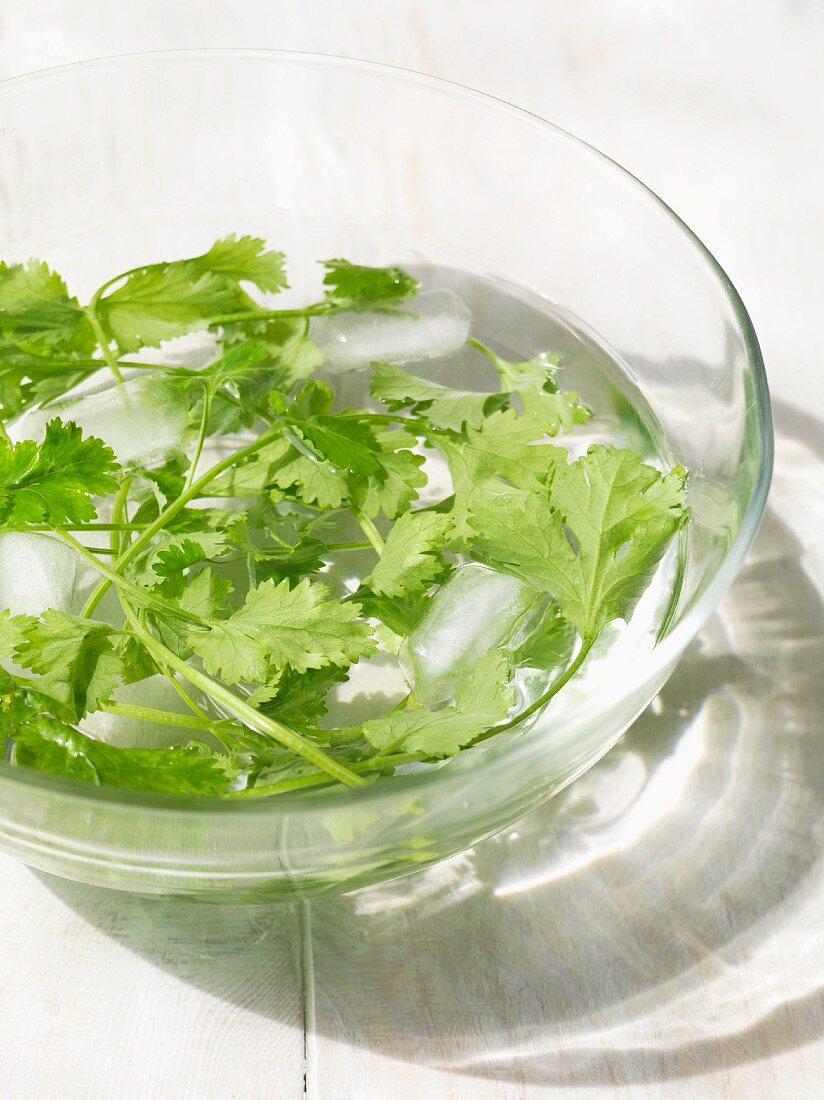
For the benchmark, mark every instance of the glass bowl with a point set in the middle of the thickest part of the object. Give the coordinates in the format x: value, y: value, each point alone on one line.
x: 111, y: 163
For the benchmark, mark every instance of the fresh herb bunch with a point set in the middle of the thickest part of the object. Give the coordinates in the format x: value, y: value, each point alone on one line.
x: 255, y: 666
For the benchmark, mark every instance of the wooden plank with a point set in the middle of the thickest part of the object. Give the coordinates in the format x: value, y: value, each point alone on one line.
x: 105, y: 996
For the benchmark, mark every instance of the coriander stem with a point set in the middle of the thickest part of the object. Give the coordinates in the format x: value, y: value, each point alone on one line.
x: 241, y: 709
x: 103, y: 343
x: 317, y: 779
x: 334, y: 547
x: 482, y: 348
x: 169, y: 512
x: 550, y: 693
x: 118, y: 509
x: 161, y: 717
x: 201, y: 437
x: 185, y: 696
x: 315, y: 310
x: 369, y: 529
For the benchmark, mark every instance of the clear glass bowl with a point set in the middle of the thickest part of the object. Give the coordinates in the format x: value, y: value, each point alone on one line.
x: 106, y: 164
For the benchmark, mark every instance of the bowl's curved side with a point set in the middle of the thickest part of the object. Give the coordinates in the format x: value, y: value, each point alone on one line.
x: 440, y: 174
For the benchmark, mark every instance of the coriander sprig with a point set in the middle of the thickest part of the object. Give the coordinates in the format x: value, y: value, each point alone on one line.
x: 254, y: 655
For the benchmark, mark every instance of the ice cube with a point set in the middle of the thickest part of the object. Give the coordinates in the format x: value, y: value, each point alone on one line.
x: 434, y: 324
x: 141, y: 420
x: 375, y: 684
x: 155, y: 692
x: 476, y: 610
x: 36, y: 572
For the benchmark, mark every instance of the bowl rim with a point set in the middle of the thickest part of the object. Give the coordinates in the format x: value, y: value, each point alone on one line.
x: 651, y: 667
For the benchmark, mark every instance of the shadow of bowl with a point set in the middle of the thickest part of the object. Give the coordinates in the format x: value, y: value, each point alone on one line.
x: 625, y: 931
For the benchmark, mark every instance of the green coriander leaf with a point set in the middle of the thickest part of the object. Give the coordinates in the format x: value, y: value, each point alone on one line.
x: 347, y: 443
x: 354, y: 286
x: 207, y: 594
x: 395, y: 485
x: 54, y: 481
x: 484, y: 687
x: 293, y: 356
x: 281, y: 767
x: 16, y: 390
x: 27, y: 379
x: 593, y: 539
x: 441, y: 406
x: 309, y: 480
x: 12, y: 631
x: 275, y: 547
x: 49, y: 386
x: 159, y: 486
x: 245, y: 259
x: 299, y: 699
x: 180, y: 555
x: 411, y: 560
x: 535, y: 382
x: 401, y: 614
x: 251, y: 374
x: 48, y: 745
x: 254, y: 476
x: 238, y: 363
x: 549, y: 645
x: 37, y: 313
x: 177, y: 555
x: 76, y: 664
x: 503, y: 452
x: 165, y: 300
x: 435, y: 733
x: 136, y: 663
x: 314, y: 398
x: 293, y: 562
x: 281, y: 627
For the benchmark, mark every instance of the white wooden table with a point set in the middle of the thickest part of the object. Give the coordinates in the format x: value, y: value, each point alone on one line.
x: 658, y: 930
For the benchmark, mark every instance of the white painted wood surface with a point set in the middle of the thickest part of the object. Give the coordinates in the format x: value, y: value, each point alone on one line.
x: 658, y: 930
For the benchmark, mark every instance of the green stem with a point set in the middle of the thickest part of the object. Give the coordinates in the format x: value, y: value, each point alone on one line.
x: 334, y: 547
x: 118, y: 511
x: 169, y: 513
x: 316, y: 310
x: 482, y: 348
x: 550, y: 693
x: 103, y: 342
x: 240, y: 708
x: 160, y: 717
x: 184, y: 695
x: 201, y: 438
x: 48, y: 366
x: 218, y: 729
x: 369, y: 529
x: 98, y: 294
x: 317, y: 779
